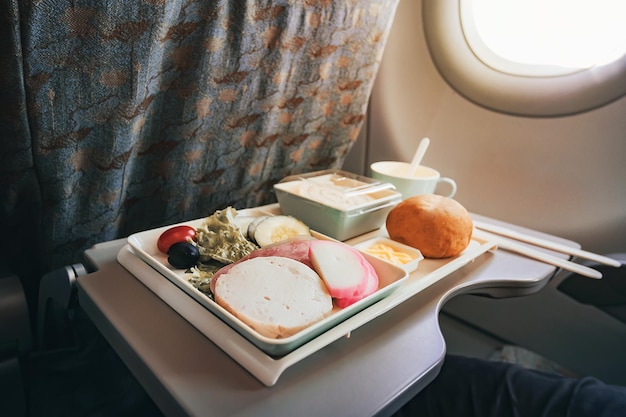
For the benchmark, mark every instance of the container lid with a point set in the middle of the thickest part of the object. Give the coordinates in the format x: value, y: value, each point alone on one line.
x: 339, y: 189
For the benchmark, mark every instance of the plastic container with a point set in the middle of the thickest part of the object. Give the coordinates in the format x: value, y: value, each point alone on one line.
x: 336, y: 203
x: 395, y: 253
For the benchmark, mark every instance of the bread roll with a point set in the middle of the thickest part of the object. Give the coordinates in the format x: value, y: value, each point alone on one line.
x: 275, y: 296
x: 438, y: 226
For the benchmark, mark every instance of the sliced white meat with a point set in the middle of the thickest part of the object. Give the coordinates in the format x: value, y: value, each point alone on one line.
x: 296, y: 248
x: 275, y: 296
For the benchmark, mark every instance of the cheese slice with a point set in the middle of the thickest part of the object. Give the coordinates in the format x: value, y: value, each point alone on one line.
x: 275, y: 296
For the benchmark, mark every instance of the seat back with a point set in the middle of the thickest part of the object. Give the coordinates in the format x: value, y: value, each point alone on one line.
x: 117, y: 120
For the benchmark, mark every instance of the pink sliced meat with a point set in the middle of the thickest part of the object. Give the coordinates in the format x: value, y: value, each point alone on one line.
x: 370, y: 288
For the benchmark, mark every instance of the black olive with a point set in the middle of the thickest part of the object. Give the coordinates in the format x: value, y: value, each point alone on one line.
x: 183, y: 255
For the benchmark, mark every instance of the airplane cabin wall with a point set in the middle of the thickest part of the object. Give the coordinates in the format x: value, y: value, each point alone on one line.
x: 562, y: 175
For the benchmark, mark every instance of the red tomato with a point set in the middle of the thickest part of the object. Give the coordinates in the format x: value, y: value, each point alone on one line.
x: 175, y: 234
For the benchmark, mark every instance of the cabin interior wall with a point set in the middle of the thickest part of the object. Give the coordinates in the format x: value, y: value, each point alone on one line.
x: 562, y: 175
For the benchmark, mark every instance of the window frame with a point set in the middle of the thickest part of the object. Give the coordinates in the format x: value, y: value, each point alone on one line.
x: 523, y: 95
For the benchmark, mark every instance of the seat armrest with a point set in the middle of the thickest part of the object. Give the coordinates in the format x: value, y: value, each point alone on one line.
x: 56, y: 289
x: 15, y: 324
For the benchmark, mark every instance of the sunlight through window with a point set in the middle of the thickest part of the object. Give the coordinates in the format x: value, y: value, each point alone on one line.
x: 554, y: 36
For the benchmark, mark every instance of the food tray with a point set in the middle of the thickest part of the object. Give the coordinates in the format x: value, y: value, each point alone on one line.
x: 143, y: 245
x: 265, y: 367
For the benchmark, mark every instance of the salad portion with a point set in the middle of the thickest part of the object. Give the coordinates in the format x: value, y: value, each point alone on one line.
x: 222, y: 239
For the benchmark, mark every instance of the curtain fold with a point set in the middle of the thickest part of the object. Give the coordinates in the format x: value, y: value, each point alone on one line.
x: 120, y: 116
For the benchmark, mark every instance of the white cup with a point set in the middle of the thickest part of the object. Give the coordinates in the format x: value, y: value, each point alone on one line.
x: 425, y: 180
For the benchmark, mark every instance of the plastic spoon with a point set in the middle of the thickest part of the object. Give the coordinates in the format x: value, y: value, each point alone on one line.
x: 419, y: 154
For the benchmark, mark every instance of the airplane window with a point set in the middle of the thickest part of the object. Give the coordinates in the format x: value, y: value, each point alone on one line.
x: 539, y: 37
x: 530, y: 57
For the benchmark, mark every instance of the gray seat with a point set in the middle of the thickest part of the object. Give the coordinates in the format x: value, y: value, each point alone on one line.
x: 15, y: 342
x: 608, y: 294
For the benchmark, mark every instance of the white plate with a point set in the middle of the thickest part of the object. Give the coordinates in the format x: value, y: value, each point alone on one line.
x: 143, y: 245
